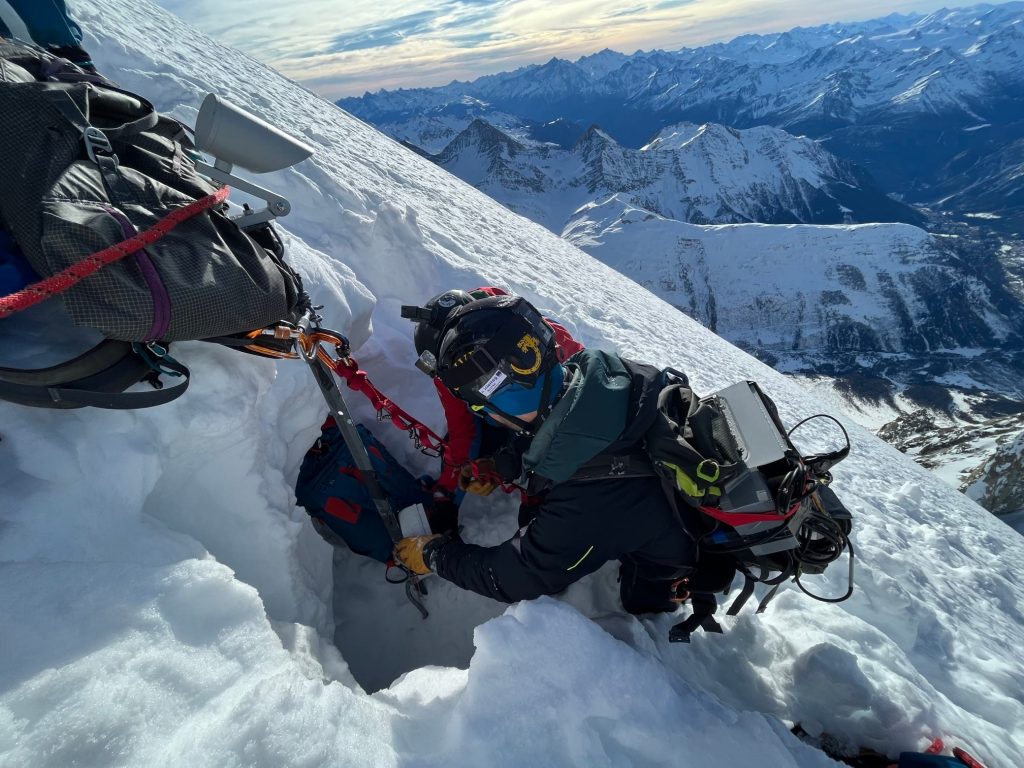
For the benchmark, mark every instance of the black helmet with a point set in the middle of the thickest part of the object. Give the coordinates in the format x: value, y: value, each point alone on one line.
x: 494, y: 342
x: 430, y: 318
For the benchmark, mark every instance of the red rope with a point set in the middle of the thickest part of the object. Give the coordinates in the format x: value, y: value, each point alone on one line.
x: 359, y: 381
x: 71, y: 276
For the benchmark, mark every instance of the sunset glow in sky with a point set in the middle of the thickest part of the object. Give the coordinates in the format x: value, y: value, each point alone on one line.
x: 343, y: 48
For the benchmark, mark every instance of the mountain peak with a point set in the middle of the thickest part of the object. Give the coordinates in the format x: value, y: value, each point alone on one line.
x: 484, y: 137
x: 557, y: 65
x: 595, y: 135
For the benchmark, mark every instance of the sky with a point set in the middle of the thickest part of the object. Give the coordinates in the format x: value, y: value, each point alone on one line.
x: 344, y: 48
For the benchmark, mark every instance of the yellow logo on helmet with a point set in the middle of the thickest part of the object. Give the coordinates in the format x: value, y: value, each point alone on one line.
x: 525, y: 344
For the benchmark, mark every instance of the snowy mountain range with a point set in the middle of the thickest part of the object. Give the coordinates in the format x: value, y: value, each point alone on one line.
x: 932, y: 106
x: 816, y: 292
x: 706, y: 174
x: 165, y: 603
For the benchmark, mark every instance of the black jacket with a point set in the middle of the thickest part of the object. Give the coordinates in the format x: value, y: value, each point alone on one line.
x: 581, y: 524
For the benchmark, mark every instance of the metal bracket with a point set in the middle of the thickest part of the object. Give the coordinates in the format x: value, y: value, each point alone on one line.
x: 277, y: 206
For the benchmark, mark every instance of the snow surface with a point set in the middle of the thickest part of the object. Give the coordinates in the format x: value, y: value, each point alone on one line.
x: 164, y: 603
x: 798, y: 271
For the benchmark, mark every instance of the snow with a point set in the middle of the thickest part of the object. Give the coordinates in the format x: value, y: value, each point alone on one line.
x: 164, y: 603
x: 706, y: 271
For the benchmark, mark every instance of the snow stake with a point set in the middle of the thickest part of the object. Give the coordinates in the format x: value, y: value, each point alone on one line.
x: 310, y: 337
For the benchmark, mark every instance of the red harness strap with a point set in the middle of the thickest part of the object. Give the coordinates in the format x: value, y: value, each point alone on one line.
x: 71, y: 276
x: 359, y: 380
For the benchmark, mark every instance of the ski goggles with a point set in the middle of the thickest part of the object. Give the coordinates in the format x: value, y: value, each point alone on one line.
x: 515, y: 399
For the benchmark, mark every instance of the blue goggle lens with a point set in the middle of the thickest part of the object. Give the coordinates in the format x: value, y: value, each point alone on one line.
x: 515, y: 399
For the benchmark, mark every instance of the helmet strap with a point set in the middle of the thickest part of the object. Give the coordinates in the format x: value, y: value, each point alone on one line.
x: 523, y: 426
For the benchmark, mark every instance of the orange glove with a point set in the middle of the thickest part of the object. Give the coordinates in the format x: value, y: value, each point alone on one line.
x: 480, y: 479
x: 409, y: 552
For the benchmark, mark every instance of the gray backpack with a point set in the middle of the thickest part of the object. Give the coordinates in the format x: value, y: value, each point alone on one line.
x: 86, y: 166
x: 764, y: 509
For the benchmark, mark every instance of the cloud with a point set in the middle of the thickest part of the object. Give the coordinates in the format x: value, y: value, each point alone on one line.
x: 628, y: 12
x: 391, y: 33
x: 476, y: 39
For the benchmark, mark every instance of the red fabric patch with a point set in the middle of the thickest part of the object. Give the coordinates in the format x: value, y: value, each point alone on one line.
x: 375, y: 451
x: 352, y: 472
x: 565, y: 345
x: 343, y: 510
x: 966, y: 759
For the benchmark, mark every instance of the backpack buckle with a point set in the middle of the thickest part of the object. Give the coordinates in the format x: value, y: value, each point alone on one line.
x: 97, y: 141
x: 713, y: 473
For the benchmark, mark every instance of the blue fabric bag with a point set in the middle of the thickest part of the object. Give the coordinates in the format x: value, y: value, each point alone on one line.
x: 47, y: 21
x: 15, y: 272
x: 330, y: 490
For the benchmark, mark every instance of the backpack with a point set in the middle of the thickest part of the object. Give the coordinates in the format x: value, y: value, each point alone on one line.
x: 89, y: 169
x: 331, y: 490
x: 762, y: 508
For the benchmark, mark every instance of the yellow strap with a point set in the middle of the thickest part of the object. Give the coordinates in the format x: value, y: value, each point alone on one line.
x: 689, y: 486
x: 715, y: 473
x: 581, y: 559
x: 684, y: 482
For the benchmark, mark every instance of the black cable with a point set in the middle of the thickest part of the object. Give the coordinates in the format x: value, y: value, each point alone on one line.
x: 849, y: 590
x: 821, y: 416
x: 820, y: 463
x: 406, y: 575
x: 827, y: 547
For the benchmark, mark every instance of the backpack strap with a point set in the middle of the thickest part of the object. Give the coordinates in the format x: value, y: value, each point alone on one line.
x: 117, y: 100
x: 688, y: 446
x: 614, y: 466
x: 97, y: 141
x: 96, y: 378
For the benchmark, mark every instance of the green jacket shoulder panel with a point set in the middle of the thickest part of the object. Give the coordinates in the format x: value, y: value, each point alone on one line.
x: 587, y: 419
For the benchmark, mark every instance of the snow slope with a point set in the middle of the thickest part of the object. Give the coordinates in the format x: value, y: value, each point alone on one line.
x: 165, y: 604
x: 800, y: 288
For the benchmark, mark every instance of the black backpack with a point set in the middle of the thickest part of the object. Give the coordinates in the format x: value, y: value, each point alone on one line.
x: 87, y: 166
x: 761, y: 507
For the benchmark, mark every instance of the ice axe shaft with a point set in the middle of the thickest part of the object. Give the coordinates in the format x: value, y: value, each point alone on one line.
x: 311, y: 351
